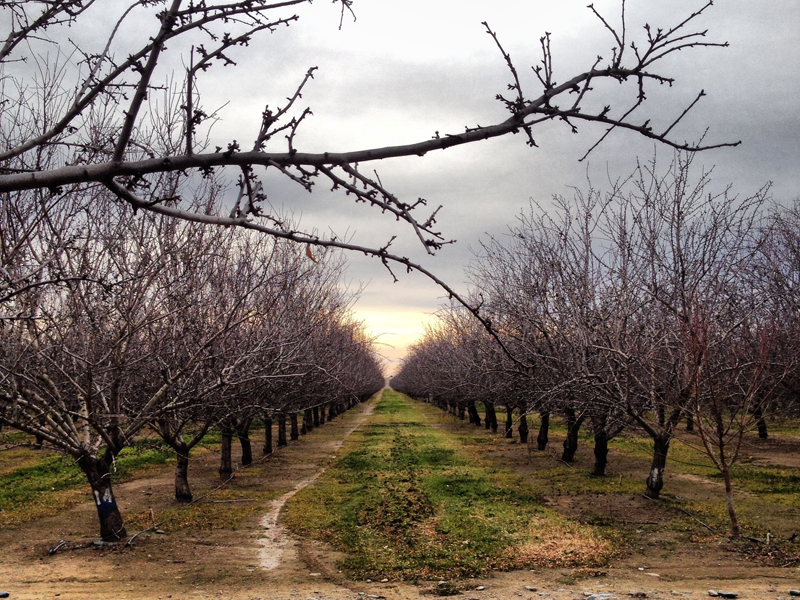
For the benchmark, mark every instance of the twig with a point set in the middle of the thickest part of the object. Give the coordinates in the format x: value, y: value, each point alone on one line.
x: 792, y: 561
x: 686, y: 512
x: 236, y: 500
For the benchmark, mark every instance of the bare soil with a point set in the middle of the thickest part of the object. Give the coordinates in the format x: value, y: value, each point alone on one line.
x: 260, y: 560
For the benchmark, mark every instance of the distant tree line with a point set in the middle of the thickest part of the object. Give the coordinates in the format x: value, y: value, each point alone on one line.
x: 113, y: 324
x: 656, y: 304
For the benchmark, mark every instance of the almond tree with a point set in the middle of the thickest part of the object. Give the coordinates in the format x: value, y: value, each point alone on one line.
x: 223, y: 300
x: 551, y: 285
x: 777, y: 279
x: 740, y: 371
x: 84, y: 367
x: 104, y: 119
x: 694, y: 245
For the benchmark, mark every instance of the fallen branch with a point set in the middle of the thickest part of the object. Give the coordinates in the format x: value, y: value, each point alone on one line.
x: 758, y: 541
x: 687, y: 513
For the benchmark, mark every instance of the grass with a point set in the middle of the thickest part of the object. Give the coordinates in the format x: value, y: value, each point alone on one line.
x: 229, y: 509
x: 39, y: 483
x: 765, y: 494
x: 409, y: 499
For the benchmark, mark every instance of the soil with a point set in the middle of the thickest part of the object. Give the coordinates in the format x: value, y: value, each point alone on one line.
x: 260, y: 560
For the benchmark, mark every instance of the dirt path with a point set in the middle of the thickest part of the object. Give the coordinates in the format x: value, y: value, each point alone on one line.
x: 276, y: 541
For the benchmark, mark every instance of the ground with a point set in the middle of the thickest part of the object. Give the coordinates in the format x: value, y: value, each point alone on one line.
x: 243, y: 563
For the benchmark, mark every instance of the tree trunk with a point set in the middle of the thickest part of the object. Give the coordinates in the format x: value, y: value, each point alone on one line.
x: 247, y: 449
x: 655, y: 480
x: 474, y: 417
x: 225, y: 462
x: 761, y: 424
x: 315, y: 412
x: 308, y: 419
x: 544, y: 430
x: 690, y: 422
x: 491, y: 416
x: 331, y: 411
x: 183, y: 493
x: 243, y: 431
x: 267, y: 435
x: 322, y: 414
x: 37, y: 445
x: 522, y: 429
x: 600, y: 452
x: 112, y: 529
x: 461, y: 411
x: 509, y: 421
x: 726, y: 475
x: 571, y: 442
x: 281, y: 430
x: 293, y: 420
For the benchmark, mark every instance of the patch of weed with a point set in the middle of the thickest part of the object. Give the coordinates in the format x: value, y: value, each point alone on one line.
x: 39, y: 489
x: 227, y: 509
x: 38, y: 483
x: 408, y: 500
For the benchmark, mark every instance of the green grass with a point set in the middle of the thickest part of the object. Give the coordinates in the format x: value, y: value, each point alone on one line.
x: 37, y: 483
x: 409, y: 499
x: 762, y: 494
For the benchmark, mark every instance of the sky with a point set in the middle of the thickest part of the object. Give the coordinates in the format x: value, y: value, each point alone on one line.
x: 405, y: 69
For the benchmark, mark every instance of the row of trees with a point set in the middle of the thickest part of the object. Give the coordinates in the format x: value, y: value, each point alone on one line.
x: 113, y: 323
x: 657, y: 302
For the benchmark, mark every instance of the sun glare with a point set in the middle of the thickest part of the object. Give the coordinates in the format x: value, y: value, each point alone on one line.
x: 395, y: 329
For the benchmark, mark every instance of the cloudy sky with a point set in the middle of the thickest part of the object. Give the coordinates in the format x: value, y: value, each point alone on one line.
x: 405, y: 69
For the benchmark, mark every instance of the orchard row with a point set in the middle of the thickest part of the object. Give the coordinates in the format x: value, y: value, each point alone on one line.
x: 657, y: 303
x: 119, y: 323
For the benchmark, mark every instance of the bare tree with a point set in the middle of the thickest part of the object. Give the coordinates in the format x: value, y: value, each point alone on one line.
x: 102, y: 119
x: 224, y: 294
x: 643, y: 305
x: 96, y: 358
